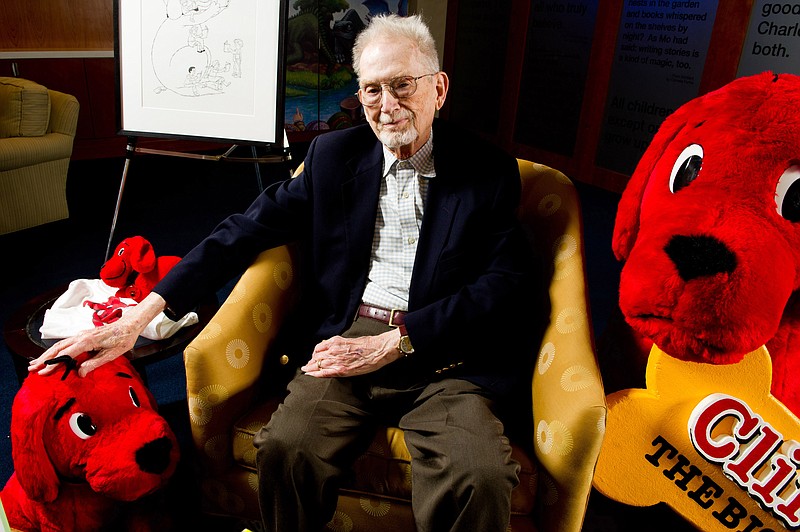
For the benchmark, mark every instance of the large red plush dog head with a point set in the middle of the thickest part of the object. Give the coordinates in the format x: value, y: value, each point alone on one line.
x: 101, y: 431
x: 709, y: 228
x: 135, y: 269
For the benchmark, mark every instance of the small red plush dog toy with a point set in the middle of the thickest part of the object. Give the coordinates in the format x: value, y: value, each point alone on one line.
x: 135, y: 269
x: 709, y: 231
x: 83, y: 444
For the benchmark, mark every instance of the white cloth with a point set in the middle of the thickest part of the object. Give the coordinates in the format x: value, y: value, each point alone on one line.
x: 69, y: 314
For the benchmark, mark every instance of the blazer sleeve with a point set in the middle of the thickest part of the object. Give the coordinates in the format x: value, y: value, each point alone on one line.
x: 279, y: 215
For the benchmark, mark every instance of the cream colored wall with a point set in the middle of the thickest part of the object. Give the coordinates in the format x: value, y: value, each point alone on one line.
x: 434, y: 12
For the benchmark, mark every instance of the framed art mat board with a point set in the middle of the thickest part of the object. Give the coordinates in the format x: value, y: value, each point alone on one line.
x: 204, y: 69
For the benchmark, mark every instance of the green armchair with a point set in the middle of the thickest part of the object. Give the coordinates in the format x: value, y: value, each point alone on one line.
x: 37, y: 129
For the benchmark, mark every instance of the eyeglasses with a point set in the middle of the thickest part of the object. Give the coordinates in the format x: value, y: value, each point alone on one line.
x: 402, y: 87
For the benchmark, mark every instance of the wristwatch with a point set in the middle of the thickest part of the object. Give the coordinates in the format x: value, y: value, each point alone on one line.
x: 404, y: 346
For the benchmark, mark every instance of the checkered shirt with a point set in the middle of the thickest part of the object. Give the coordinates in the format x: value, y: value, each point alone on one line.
x: 402, y: 200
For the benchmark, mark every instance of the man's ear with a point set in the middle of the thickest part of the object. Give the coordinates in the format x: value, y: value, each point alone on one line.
x: 442, y: 84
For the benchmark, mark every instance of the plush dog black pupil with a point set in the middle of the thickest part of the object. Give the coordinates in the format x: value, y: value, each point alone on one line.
x: 791, y: 203
x: 688, y: 171
x: 134, y: 397
x: 86, y: 426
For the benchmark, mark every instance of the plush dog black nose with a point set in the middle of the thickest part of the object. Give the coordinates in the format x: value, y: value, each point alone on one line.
x: 153, y: 456
x: 699, y: 256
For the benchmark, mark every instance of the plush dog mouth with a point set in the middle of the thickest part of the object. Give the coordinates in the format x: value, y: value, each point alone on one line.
x: 120, y: 273
x: 684, y: 344
x: 648, y: 317
x: 79, y: 477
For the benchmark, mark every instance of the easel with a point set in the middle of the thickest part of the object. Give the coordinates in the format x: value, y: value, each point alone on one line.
x: 132, y: 149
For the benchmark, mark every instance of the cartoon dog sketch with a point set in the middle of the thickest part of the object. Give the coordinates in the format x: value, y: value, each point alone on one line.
x: 181, y: 60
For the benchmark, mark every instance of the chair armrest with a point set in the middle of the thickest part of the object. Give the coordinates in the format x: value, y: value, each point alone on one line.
x: 18, y: 152
x: 569, y: 406
x: 224, y: 362
x: 63, y: 113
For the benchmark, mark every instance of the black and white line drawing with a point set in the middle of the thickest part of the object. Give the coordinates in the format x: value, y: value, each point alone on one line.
x: 201, y: 68
x: 183, y: 62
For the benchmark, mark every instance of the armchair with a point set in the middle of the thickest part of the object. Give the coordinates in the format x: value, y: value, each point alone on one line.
x: 37, y: 129
x: 229, y: 363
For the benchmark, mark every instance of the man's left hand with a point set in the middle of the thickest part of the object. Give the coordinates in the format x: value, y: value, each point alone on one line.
x: 348, y: 357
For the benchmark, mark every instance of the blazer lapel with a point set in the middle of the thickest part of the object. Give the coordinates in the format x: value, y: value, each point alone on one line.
x: 435, y: 232
x: 360, y: 190
x: 438, y: 223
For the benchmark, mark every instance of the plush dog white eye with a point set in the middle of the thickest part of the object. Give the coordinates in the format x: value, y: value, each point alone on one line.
x: 134, y: 397
x: 686, y: 167
x: 787, y: 194
x: 82, y: 426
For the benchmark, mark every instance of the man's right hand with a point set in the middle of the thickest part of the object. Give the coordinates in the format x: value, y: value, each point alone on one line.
x: 104, y: 343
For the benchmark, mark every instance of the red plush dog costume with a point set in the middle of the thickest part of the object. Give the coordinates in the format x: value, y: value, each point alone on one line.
x: 709, y: 229
x: 135, y: 269
x: 81, y: 445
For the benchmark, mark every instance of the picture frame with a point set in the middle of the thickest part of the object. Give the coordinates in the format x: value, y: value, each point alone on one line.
x: 201, y: 69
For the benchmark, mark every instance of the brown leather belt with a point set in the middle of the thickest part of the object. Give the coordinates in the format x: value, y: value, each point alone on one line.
x: 391, y: 317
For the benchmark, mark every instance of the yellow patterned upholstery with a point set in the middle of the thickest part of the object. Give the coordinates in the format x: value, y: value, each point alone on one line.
x: 224, y: 367
x: 37, y: 129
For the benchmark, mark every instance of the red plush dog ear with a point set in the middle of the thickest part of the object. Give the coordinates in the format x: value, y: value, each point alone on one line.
x: 32, y: 406
x: 142, y: 257
x: 626, y: 226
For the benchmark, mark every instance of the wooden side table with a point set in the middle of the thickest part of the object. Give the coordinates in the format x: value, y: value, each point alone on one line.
x: 25, y: 342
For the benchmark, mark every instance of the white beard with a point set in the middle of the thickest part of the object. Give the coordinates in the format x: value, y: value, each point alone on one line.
x: 397, y: 139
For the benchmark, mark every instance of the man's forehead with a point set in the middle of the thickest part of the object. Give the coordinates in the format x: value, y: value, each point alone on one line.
x: 385, y: 59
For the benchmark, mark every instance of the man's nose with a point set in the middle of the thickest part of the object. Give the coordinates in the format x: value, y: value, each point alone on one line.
x: 388, y: 100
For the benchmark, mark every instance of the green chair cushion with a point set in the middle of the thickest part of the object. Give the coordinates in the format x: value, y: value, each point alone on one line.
x: 24, y: 108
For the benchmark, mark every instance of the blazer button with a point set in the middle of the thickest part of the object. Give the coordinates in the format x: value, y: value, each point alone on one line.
x: 284, y: 360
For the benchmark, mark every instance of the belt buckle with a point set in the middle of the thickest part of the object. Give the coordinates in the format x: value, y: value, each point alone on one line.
x: 392, y: 314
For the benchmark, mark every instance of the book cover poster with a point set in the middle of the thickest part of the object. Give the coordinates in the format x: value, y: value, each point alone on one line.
x: 320, y: 82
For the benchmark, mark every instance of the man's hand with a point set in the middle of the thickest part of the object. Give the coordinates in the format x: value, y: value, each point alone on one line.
x: 106, y: 342
x: 348, y: 357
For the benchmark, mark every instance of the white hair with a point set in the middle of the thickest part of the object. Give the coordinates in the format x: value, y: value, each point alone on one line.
x: 410, y: 28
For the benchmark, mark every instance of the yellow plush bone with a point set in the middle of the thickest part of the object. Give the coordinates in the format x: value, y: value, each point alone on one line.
x: 648, y: 455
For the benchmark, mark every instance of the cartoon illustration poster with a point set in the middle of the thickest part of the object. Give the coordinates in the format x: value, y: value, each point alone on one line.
x: 201, y: 68
x: 320, y: 83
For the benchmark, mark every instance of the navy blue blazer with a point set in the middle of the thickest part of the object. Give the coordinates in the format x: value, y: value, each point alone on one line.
x: 470, y: 296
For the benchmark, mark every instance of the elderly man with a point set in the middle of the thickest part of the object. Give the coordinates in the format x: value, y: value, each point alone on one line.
x: 413, y: 261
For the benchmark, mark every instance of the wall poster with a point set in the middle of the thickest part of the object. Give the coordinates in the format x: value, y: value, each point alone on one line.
x: 320, y: 82
x: 210, y: 69
x: 554, y: 73
x: 660, y: 53
x: 773, y: 39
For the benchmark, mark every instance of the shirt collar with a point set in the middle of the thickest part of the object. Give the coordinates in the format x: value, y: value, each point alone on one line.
x: 422, y: 160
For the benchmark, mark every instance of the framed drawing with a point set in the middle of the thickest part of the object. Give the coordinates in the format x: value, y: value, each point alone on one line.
x: 201, y: 69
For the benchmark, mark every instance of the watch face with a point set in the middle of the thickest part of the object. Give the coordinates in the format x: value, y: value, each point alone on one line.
x: 405, y: 345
